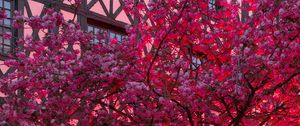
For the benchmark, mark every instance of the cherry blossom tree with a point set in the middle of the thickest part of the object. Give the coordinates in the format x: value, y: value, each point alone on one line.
x: 184, y: 63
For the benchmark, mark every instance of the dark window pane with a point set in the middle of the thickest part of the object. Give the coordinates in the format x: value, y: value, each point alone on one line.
x: 211, y: 4
x: 6, y: 42
x: 7, y: 22
x: 7, y: 4
x: 112, y: 35
x: 119, y: 37
x: 96, y: 31
x: 6, y: 49
x: 1, y: 3
x: 6, y: 30
x: 8, y: 13
x: 90, y: 28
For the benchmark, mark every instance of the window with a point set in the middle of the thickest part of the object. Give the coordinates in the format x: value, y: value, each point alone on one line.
x: 108, y: 33
x: 213, y: 5
x: 5, y: 26
x: 196, y: 62
x: 108, y: 29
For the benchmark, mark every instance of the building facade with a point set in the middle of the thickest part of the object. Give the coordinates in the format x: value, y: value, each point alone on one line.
x: 93, y: 16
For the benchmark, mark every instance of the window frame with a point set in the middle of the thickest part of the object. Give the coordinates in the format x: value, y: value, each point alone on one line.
x: 3, y: 44
x: 109, y: 28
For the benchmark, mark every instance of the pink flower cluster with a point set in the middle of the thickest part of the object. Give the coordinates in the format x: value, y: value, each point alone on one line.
x: 183, y: 64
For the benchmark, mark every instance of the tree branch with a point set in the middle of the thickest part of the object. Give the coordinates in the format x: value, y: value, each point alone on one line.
x: 282, y: 83
x: 163, y: 39
x: 118, y: 111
